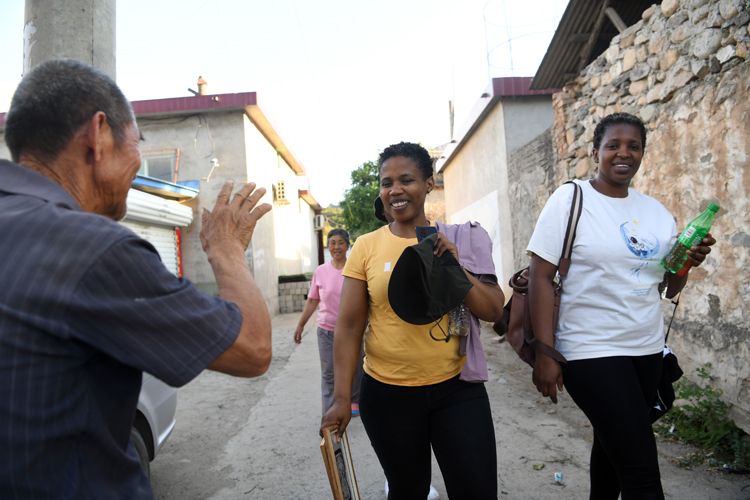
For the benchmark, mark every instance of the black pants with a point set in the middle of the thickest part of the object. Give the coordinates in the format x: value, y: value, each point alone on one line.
x: 452, y: 416
x: 616, y: 394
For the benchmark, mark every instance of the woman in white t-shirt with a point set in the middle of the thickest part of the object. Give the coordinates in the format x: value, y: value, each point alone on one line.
x: 611, y: 329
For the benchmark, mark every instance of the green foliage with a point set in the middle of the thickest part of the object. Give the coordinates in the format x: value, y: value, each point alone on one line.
x: 334, y: 217
x: 357, y: 209
x: 700, y: 418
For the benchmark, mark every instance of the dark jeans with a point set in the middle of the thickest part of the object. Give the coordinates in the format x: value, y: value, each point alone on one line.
x: 452, y: 416
x: 616, y: 394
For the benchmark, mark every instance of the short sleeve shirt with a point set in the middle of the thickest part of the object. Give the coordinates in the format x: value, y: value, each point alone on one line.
x: 397, y: 352
x: 326, y: 287
x: 610, y: 304
x: 85, y: 307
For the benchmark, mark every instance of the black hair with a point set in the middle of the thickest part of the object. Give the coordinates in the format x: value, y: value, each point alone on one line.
x: 414, y: 152
x: 617, y: 119
x: 54, y: 100
x: 339, y: 232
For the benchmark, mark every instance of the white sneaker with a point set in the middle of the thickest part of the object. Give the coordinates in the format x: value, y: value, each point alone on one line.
x: 432, y: 495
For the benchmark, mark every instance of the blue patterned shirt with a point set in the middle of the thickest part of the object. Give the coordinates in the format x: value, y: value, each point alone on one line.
x: 86, y: 306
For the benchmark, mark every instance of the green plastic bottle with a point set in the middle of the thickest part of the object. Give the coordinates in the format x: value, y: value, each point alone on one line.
x: 676, y: 261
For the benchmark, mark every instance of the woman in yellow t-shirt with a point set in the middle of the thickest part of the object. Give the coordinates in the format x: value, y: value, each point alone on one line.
x: 411, y: 397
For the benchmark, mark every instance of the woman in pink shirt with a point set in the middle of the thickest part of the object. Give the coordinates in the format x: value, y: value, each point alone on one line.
x: 325, y: 289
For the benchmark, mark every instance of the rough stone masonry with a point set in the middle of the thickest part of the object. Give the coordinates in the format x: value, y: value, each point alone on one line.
x: 684, y: 69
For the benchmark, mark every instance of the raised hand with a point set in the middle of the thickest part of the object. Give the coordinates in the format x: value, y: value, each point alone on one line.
x: 233, y: 218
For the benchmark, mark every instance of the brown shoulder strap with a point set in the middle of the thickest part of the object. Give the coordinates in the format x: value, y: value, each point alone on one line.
x: 549, y: 351
x: 576, y: 207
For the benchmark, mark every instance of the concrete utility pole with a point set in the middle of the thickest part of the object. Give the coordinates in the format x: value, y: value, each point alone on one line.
x: 73, y: 29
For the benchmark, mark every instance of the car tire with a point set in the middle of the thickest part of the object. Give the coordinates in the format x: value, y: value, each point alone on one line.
x: 140, y: 448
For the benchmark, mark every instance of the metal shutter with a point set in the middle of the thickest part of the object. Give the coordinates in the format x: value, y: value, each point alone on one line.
x: 163, y: 238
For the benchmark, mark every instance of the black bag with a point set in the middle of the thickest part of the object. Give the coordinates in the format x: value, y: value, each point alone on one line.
x: 670, y: 373
x: 516, y: 321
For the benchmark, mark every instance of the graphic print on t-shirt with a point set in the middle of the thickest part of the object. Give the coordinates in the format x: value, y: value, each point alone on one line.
x: 641, y: 244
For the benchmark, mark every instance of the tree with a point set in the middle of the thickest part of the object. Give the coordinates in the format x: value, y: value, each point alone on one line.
x: 357, y: 206
x: 334, y: 217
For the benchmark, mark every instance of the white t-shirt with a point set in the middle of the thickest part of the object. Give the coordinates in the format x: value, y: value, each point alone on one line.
x: 610, y: 301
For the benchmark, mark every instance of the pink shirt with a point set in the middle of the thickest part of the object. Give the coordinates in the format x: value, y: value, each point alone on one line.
x: 326, y: 287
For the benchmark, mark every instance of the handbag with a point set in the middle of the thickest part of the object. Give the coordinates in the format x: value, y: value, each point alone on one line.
x: 670, y: 373
x: 516, y: 322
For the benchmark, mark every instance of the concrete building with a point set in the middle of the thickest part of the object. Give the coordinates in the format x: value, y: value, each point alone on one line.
x: 204, y: 140
x: 475, y: 167
x: 195, y: 144
x: 684, y: 68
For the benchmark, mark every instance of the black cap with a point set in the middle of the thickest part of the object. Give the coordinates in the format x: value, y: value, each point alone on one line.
x: 424, y: 287
x: 379, y: 209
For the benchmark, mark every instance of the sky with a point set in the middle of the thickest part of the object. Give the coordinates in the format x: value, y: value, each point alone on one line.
x: 339, y: 80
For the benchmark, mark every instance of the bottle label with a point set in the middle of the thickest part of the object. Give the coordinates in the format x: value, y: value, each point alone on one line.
x: 689, y: 232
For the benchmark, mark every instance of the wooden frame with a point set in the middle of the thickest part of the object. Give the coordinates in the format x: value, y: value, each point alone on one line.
x: 337, y: 458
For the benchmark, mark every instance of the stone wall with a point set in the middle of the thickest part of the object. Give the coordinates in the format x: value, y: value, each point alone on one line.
x: 530, y: 181
x: 292, y: 296
x: 684, y: 70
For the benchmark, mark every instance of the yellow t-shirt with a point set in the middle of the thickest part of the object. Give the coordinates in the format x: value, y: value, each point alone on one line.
x: 397, y: 352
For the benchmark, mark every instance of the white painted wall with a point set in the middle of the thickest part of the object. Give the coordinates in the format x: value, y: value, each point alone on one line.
x: 485, y: 211
x: 525, y: 118
x: 476, y: 178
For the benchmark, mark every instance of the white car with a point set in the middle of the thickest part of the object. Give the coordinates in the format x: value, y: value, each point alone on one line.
x: 154, y: 419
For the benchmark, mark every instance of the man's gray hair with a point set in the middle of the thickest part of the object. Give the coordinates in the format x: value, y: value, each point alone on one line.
x: 54, y: 100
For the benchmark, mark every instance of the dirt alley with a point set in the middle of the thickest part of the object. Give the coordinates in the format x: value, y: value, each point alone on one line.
x: 258, y: 438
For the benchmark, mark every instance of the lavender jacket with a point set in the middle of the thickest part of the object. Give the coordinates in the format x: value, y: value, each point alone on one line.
x: 475, y: 255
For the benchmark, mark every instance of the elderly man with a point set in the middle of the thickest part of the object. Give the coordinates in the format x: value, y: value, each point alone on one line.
x: 86, y: 306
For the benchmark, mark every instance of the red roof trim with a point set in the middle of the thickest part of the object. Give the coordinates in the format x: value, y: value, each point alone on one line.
x: 191, y: 104
x: 517, y: 86
x: 195, y: 104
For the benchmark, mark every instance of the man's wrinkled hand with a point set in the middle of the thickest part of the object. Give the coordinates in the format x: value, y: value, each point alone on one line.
x: 233, y: 218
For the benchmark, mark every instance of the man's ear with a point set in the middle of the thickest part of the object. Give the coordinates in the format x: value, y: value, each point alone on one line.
x: 595, y: 155
x: 430, y: 183
x: 98, y: 135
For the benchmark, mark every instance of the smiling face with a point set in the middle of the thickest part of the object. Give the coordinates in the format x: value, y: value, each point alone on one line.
x: 338, y: 247
x: 619, y: 155
x: 403, y: 189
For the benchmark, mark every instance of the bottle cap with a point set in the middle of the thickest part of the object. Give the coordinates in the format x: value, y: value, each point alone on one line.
x: 713, y: 207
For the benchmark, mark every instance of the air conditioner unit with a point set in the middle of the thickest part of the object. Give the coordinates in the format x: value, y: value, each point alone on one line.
x: 319, y: 221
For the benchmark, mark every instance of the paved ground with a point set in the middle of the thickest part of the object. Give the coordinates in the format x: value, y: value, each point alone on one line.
x: 258, y: 439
